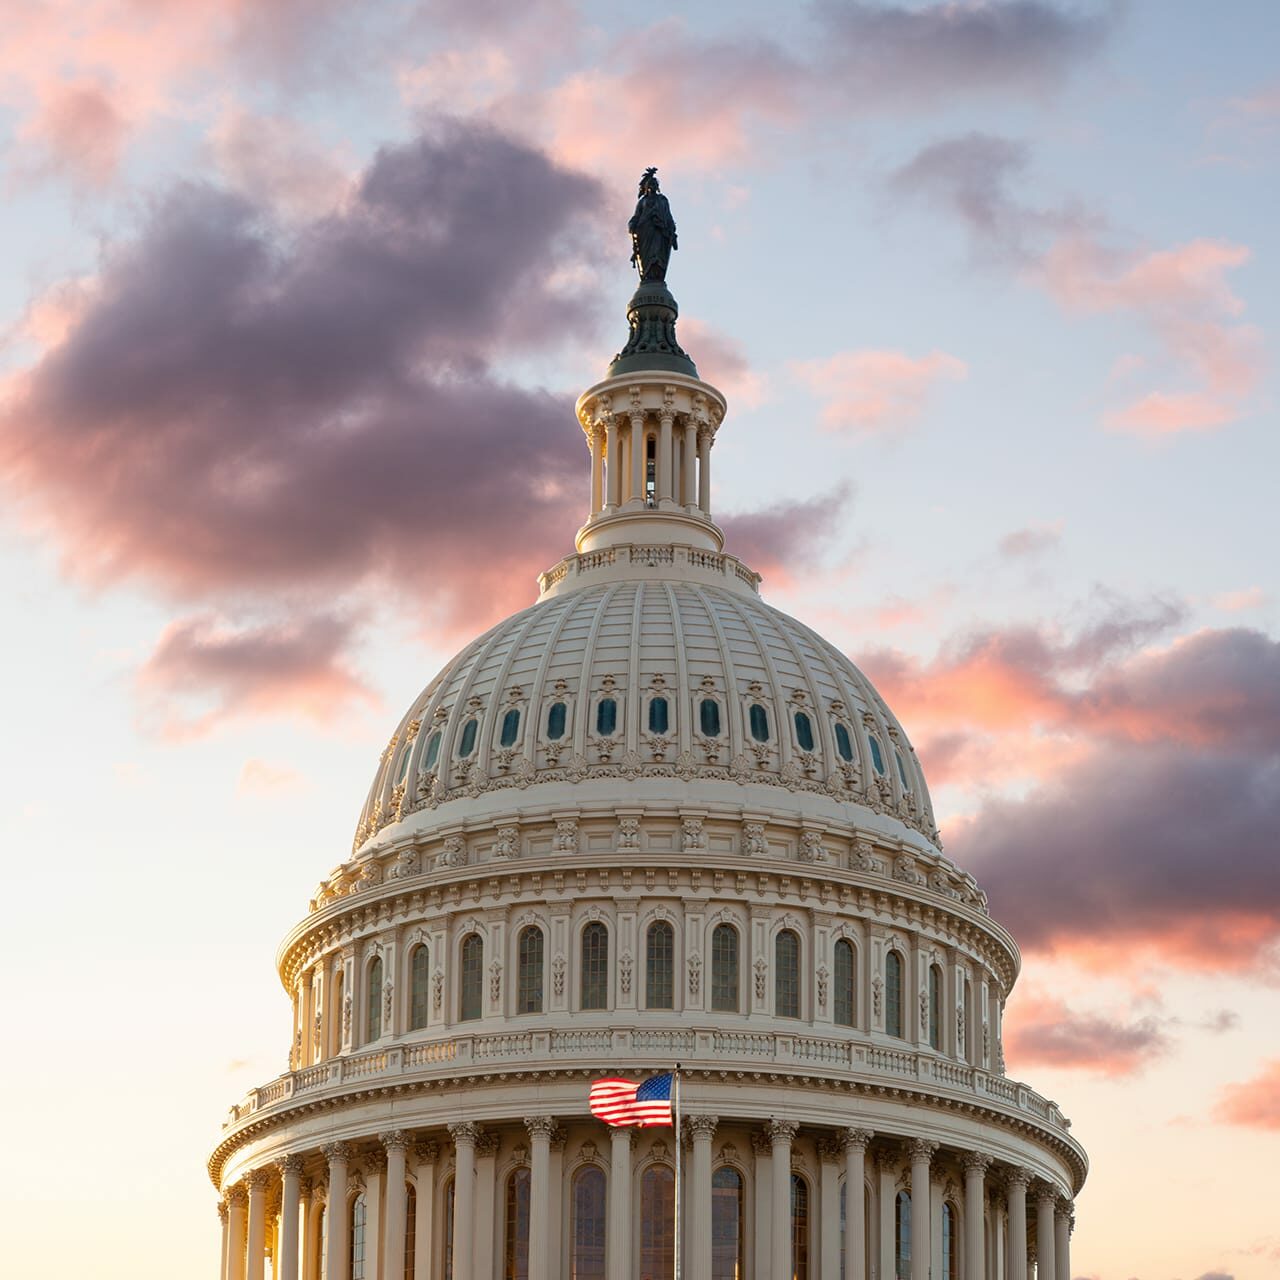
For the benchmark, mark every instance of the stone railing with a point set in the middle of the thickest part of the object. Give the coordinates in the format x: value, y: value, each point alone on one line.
x: 639, y: 1048
x: 709, y: 565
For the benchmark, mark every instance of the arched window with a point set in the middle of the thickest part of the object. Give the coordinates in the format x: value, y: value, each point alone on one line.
x: 844, y: 980
x: 658, y: 717
x: 759, y: 720
x: 557, y: 717
x: 902, y: 1236
x: 902, y: 770
x: 606, y: 716
x: 726, y: 1224
x: 650, y: 471
x: 724, y: 969
x: 433, y: 751
x: 510, y: 728
x: 335, y: 1020
x: 949, y: 1264
x: 515, y: 1257
x: 962, y: 1024
x: 799, y: 1227
x: 844, y: 743
x: 373, y: 1000
x: 595, y: 966
x: 657, y: 1222
x: 449, y: 1199
x: 659, y: 966
x: 419, y: 987
x: 709, y: 718
x: 804, y: 732
x: 786, y: 974
x: 587, y: 1259
x: 467, y: 743
x: 893, y: 994
x: 355, y: 1247
x: 877, y: 756
x: 405, y: 753
x: 935, y: 1007
x: 471, y: 987
x: 529, y: 970
x: 410, y: 1230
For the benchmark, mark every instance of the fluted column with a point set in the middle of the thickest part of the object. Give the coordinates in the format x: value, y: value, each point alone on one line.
x: 855, y: 1215
x: 237, y: 1206
x: 704, y: 470
x: 335, y: 1216
x: 663, y: 486
x: 540, y: 1130
x: 619, y: 1234
x: 257, y: 1181
x: 464, y: 1137
x: 689, y: 482
x: 425, y: 1155
x: 1016, y: 1190
x: 637, y: 457
x: 1062, y: 1239
x: 290, y: 1198
x: 887, y: 1168
x: 975, y: 1198
x: 612, y: 462
x: 223, y: 1220
x: 703, y: 1129
x: 396, y: 1144
x: 781, y: 1134
x: 1046, y: 1211
x: 921, y: 1214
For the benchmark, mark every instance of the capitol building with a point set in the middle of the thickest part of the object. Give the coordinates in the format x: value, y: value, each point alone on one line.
x: 649, y: 820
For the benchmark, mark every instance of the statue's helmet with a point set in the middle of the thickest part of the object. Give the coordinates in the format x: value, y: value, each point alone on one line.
x: 649, y: 182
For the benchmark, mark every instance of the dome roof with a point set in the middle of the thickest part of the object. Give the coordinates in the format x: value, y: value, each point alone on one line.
x: 663, y: 677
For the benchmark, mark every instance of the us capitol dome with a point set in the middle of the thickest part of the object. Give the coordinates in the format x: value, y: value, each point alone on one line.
x: 649, y: 820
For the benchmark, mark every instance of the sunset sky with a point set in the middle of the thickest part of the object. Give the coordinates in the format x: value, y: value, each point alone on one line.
x: 296, y: 299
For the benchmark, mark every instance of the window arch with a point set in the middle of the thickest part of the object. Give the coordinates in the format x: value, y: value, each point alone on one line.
x: 709, y: 718
x: 844, y: 981
x: 844, y: 743
x: 557, y: 720
x: 657, y: 1222
x: 433, y: 751
x: 877, y: 756
x: 410, y: 1231
x: 510, y: 728
x: 607, y: 717
x: 405, y: 752
x: 893, y: 994
x: 902, y: 1236
x: 724, y: 969
x: 467, y: 743
x: 515, y: 1255
x: 373, y: 1000
x: 786, y: 974
x: 419, y: 986
x: 902, y: 770
x: 963, y: 1031
x: 471, y: 984
x: 335, y: 1019
x: 595, y: 966
x: 529, y: 970
x: 587, y: 1256
x: 949, y: 1241
x: 356, y: 1244
x: 799, y: 1227
x: 935, y: 1007
x: 726, y: 1224
x: 758, y: 718
x: 804, y: 731
x: 659, y: 717
x: 659, y: 966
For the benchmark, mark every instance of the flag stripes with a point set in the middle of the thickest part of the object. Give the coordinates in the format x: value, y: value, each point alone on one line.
x: 623, y: 1102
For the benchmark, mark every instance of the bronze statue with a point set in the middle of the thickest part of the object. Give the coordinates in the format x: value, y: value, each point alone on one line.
x: 653, y: 230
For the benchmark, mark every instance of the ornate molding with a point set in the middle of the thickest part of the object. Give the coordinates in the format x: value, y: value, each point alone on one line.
x: 921, y: 1150
x: 540, y: 1126
x: 394, y: 1140
x: 781, y: 1130
x: 975, y: 1162
x: 465, y: 1133
x: 858, y: 1138
x: 336, y: 1152
x: 702, y: 1126
x: 292, y: 1165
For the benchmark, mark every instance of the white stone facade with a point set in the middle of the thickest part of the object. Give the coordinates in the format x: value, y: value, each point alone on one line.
x: 648, y: 820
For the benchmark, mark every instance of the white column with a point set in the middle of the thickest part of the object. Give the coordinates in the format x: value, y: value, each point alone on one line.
x: 921, y: 1214
x: 704, y: 469
x: 975, y: 1194
x: 612, y: 462
x: 1062, y: 1239
x: 396, y: 1144
x: 226, y: 1237
x: 689, y: 487
x: 335, y: 1214
x: 1046, y: 1243
x: 763, y: 1257
x: 424, y: 1175
x: 781, y: 1133
x: 703, y: 1129
x: 464, y: 1137
x: 855, y: 1217
x: 1016, y: 1263
x: 637, y: 457
x: 257, y: 1181
x: 237, y: 1206
x: 663, y: 480
x: 829, y: 1152
x: 484, y: 1213
x: 555, y: 1204
x: 313, y: 1204
x: 290, y: 1201
x: 540, y: 1130
x: 619, y: 1233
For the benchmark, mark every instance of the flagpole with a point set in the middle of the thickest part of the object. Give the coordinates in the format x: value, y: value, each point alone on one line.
x: 675, y: 1097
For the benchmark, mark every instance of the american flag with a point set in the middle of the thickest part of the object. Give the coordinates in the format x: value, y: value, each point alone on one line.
x: 623, y: 1102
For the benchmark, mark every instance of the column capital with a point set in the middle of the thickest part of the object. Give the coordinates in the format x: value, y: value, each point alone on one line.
x: 1017, y: 1176
x: 1043, y: 1190
x: 702, y: 1127
x: 222, y: 1211
x: 290, y: 1165
x: 237, y: 1196
x: 541, y: 1127
x: 375, y: 1161
x: 922, y: 1150
x: 975, y: 1162
x: 336, y: 1152
x: 1067, y: 1207
x: 487, y: 1145
x: 887, y: 1157
x: 781, y: 1130
x: 394, y: 1140
x: 426, y: 1152
x: 830, y: 1148
x: 464, y: 1133
x: 857, y: 1138
x: 259, y: 1180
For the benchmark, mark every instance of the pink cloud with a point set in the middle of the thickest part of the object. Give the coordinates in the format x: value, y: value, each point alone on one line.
x: 79, y: 128
x: 723, y: 362
x: 1043, y: 1031
x: 1160, y: 413
x: 1033, y: 540
x: 1237, y: 601
x: 874, y: 391
x: 1255, y: 1103
x: 258, y: 777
